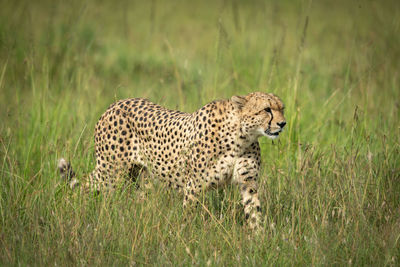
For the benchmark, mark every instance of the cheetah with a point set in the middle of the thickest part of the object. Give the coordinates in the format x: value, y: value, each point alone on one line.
x: 212, y: 147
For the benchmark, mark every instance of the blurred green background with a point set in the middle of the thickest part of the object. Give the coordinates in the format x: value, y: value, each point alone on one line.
x: 330, y: 185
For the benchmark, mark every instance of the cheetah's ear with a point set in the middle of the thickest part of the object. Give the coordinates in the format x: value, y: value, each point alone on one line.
x: 238, y: 101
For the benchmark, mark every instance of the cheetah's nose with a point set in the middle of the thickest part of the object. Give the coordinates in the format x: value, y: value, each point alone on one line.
x: 281, y: 124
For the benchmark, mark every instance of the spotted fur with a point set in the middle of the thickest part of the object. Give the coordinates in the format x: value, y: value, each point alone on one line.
x: 214, y: 146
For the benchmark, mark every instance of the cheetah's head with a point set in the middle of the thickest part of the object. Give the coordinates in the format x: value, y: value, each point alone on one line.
x: 260, y: 114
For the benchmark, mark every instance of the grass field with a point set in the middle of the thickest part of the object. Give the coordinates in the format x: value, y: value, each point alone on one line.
x: 330, y: 187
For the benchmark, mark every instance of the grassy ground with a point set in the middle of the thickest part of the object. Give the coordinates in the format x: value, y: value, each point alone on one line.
x: 330, y: 186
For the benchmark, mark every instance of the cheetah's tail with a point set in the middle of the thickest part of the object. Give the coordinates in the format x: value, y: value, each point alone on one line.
x: 66, y: 173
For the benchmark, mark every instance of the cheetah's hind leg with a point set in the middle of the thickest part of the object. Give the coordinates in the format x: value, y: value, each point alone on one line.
x: 66, y: 173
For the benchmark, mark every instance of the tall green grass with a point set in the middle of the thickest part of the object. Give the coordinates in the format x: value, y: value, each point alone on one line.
x: 330, y: 186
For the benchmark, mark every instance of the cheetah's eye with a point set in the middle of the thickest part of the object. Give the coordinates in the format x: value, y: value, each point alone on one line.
x: 268, y: 109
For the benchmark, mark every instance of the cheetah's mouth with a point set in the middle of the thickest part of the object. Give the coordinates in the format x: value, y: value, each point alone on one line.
x: 272, y: 135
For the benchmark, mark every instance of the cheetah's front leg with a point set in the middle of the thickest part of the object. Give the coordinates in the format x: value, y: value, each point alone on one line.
x: 246, y: 174
x: 190, y: 193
